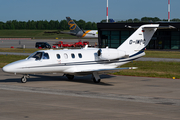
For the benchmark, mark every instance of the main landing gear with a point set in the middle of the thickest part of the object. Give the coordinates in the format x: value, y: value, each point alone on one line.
x: 70, y: 77
x: 96, y: 78
x: 24, y: 78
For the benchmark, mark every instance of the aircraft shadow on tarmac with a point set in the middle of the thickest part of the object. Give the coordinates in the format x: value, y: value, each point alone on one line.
x: 84, y: 79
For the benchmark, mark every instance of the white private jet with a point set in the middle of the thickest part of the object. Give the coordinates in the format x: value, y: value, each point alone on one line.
x: 76, y: 31
x: 87, y: 60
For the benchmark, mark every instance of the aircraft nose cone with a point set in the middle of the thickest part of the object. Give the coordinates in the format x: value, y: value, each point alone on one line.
x: 14, y: 67
x: 6, y: 69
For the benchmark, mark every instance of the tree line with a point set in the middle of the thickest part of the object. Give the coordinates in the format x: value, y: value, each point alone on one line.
x: 145, y: 19
x: 45, y: 25
x: 150, y: 19
x: 62, y: 25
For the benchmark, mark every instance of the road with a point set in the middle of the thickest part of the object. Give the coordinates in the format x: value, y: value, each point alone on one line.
x: 31, y: 43
x: 51, y: 96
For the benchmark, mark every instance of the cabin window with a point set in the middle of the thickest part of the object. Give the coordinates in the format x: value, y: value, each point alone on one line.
x: 80, y: 55
x: 58, y: 56
x: 72, y: 55
x: 65, y: 56
x: 46, y: 56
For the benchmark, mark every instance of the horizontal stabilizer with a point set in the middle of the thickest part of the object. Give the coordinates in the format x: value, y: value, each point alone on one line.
x: 71, y: 33
x: 160, y: 27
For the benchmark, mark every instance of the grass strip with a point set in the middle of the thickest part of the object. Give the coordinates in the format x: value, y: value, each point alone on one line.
x: 39, y: 34
x: 152, y: 69
x: 6, y: 59
x: 19, y: 50
x: 162, y: 54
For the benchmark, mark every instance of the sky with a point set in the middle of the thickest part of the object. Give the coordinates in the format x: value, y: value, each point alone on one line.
x: 87, y: 10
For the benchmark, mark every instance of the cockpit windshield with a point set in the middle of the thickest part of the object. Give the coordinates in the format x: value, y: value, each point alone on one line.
x: 36, y: 55
x: 39, y: 55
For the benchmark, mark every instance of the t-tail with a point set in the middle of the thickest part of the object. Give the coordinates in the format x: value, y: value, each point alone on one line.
x: 73, y: 26
x: 139, y: 39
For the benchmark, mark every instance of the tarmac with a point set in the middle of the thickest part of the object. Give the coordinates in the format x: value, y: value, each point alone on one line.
x: 54, y: 97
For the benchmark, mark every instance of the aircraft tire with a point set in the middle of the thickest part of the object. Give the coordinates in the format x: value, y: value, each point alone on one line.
x: 94, y: 80
x: 23, y: 79
x: 70, y: 77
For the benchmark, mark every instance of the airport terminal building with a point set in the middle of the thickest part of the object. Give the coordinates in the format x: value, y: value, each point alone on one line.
x: 114, y: 34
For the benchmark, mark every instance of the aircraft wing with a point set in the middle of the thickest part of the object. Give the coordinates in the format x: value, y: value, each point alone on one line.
x: 105, y: 70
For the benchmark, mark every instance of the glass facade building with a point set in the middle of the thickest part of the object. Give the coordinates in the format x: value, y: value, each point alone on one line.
x: 114, y: 34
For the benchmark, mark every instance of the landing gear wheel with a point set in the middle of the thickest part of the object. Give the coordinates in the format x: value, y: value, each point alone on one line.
x: 23, y: 79
x: 96, y: 81
x: 70, y: 77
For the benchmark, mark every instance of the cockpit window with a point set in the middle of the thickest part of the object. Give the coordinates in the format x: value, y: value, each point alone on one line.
x: 46, y: 56
x: 36, y: 55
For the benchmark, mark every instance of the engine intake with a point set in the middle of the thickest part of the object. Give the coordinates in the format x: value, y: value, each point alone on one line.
x: 110, y: 54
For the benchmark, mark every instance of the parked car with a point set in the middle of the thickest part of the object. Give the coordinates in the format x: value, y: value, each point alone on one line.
x: 42, y: 45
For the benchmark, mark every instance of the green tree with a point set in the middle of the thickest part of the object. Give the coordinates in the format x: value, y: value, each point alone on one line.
x: 150, y: 19
x: 81, y: 24
x: 56, y: 25
x: 33, y: 25
x: 88, y: 26
x: 46, y: 24
x: 1, y: 25
x: 176, y: 20
x: 52, y: 24
x: 130, y: 20
x: 63, y: 25
x: 136, y: 20
x: 94, y: 26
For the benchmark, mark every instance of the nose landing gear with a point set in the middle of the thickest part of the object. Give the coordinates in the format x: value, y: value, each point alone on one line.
x: 24, y: 78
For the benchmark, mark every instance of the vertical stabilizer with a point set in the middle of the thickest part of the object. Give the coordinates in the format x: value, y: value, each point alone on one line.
x: 73, y: 26
x: 139, y: 39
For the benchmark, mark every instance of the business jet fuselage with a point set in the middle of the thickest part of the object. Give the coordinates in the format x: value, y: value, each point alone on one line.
x: 85, y: 61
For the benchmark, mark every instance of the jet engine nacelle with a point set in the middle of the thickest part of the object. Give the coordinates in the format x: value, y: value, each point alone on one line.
x: 110, y: 54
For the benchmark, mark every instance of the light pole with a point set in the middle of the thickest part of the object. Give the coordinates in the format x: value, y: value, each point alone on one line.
x: 168, y: 10
x: 107, y: 11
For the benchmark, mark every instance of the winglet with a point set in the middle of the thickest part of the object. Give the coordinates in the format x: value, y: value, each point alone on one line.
x: 86, y: 46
